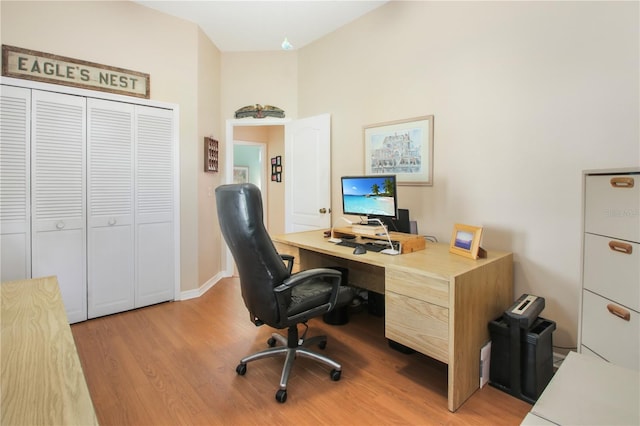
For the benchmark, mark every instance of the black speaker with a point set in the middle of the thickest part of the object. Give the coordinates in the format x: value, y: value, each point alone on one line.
x: 402, y: 224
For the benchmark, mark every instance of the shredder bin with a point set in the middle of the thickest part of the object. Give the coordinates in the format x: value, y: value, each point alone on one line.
x: 536, y: 357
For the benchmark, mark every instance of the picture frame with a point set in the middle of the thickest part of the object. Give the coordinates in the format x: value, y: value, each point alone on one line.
x: 240, y: 174
x: 403, y: 148
x: 465, y: 241
x: 276, y: 169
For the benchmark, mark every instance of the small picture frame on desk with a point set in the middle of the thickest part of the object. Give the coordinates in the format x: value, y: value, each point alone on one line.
x: 465, y: 241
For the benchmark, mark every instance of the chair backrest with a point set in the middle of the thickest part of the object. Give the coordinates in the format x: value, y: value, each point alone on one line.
x: 260, y: 266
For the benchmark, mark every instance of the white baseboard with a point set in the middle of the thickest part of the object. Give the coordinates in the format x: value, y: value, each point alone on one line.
x: 192, y: 294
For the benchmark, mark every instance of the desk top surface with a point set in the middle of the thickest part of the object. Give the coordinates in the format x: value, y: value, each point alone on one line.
x: 435, y: 259
x: 587, y: 390
x: 41, y: 378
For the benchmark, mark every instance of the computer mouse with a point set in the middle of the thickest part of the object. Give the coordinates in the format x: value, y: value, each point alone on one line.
x: 359, y: 250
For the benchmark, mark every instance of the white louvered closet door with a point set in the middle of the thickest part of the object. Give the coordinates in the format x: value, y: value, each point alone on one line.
x: 58, y: 203
x: 15, y: 165
x: 110, y: 239
x: 154, y: 221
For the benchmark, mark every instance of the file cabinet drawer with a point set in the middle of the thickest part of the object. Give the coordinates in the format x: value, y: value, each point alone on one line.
x: 612, y: 269
x: 417, y: 324
x: 612, y: 206
x: 610, y: 336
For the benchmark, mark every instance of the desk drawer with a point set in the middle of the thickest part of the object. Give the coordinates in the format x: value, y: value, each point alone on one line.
x: 417, y: 324
x: 418, y: 286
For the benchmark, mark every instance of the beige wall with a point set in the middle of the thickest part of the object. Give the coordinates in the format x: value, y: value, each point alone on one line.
x: 525, y: 96
x: 209, y: 124
x: 267, y: 78
x: 182, y: 64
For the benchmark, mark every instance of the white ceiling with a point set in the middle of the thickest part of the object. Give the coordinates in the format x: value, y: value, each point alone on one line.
x: 242, y: 26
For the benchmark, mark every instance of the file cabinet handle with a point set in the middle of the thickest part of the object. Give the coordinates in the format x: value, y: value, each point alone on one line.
x: 622, y: 182
x: 619, y: 312
x: 621, y: 247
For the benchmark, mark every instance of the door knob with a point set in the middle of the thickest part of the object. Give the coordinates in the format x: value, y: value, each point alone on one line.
x: 323, y: 210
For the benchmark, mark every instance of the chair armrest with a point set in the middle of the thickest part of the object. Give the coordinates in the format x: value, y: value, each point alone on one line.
x: 288, y: 259
x: 334, y: 276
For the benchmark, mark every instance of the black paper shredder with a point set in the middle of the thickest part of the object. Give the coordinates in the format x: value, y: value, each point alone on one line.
x: 522, y: 349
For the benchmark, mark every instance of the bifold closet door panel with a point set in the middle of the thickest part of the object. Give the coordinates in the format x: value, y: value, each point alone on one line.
x: 154, y: 221
x: 58, y: 195
x: 15, y: 187
x: 110, y: 257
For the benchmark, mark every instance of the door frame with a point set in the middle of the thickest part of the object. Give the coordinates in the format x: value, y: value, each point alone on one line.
x: 230, y: 124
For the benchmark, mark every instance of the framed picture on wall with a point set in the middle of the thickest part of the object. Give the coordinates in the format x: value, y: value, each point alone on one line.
x: 240, y: 174
x: 403, y: 148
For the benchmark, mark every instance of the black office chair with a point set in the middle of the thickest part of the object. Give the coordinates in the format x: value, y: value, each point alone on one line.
x: 272, y: 294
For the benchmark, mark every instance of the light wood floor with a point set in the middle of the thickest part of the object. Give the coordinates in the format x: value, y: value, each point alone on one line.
x: 174, y: 364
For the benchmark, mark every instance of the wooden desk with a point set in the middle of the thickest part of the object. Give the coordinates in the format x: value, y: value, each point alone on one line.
x: 437, y: 303
x: 41, y: 378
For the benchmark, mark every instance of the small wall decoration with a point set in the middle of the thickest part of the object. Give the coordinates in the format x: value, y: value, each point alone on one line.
x: 276, y: 169
x: 465, y: 241
x: 259, y: 111
x: 240, y: 174
x: 210, y: 155
x: 403, y: 148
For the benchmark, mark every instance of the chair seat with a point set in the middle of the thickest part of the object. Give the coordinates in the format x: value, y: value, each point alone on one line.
x: 314, y: 293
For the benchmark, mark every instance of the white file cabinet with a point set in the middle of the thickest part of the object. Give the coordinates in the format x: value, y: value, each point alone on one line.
x: 610, y: 296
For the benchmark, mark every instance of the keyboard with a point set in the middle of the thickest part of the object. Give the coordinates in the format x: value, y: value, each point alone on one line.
x: 369, y: 246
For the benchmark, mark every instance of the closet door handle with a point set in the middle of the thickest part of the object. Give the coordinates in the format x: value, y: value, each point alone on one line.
x: 60, y: 225
x: 622, y: 182
x: 619, y: 312
x: 621, y: 247
x: 111, y: 222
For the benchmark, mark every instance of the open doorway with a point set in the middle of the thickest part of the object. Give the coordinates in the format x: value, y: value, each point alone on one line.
x: 250, y: 165
x: 268, y: 132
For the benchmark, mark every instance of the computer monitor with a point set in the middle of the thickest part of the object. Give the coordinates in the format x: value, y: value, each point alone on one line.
x: 370, y: 196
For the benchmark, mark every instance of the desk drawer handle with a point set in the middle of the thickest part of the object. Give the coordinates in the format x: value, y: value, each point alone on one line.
x: 622, y: 182
x: 619, y: 312
x: 621, y: 247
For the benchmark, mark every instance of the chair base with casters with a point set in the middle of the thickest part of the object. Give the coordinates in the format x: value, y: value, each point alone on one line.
x: 292, y: 346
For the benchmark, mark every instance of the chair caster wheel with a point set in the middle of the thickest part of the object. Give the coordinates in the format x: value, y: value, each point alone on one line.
x: 281, y: 395
x: 241, y: 369
x: 271, y: 342
x: 335, y: 375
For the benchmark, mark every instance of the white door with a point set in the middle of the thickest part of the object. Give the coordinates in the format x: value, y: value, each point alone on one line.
x: 15, y: 166
x: 154, y: 206
x: 307, y: 175
x: 110, y: 243
x: 58, y: 196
